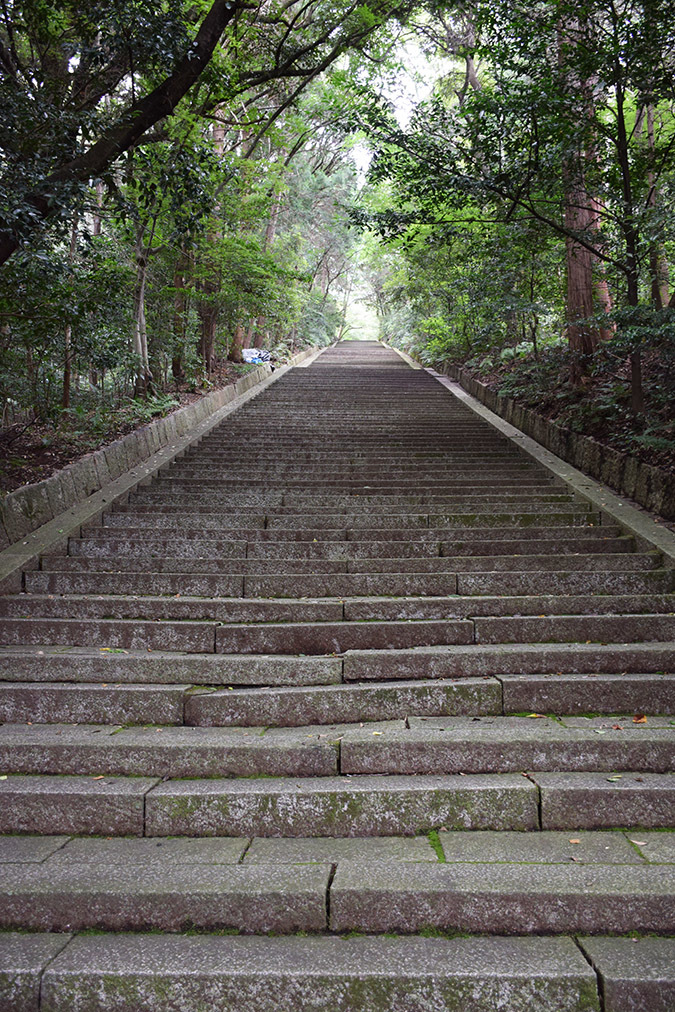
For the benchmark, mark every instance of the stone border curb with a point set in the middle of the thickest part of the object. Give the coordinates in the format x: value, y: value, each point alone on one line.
x: 41, y: 517
x: 650, y: 486
x: 648, y: 533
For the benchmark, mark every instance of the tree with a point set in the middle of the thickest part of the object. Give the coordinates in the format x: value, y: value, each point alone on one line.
x: 550, y: 137
x: 79, y: 89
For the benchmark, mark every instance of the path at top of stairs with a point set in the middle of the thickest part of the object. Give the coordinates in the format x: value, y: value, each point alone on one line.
x: 355, y: 707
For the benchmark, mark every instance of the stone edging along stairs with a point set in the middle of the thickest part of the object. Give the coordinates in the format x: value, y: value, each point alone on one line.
x: 355, y: 706
x: 646, y: 484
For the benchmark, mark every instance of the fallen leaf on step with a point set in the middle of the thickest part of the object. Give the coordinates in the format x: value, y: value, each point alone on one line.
x: 98, y: 778
x: 617, y: 727
x: 575, y: 841
x: 639, y: 718
x: 536, y: 714
x: 610, y: 780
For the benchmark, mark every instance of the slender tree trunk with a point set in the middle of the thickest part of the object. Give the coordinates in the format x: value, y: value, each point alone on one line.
x: 257, y: 327
x: 631, y: 238
x: 208, y: 319
x: 208, y: 308
x: 601, y: 292
x: 143, y: 379
x: 658, y: 265
x: 582, y: 335
x: 68, y: 332
x: 179, y: 316
x: 96, y: 227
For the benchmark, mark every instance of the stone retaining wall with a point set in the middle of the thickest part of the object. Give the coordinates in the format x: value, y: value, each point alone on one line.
x: 650, y: 486
x: 28, y: 508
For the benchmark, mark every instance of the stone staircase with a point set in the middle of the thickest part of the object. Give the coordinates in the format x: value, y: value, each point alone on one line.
x: 343, y: 712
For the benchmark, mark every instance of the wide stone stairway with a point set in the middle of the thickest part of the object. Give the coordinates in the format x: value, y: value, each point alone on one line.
x: 355, y: 708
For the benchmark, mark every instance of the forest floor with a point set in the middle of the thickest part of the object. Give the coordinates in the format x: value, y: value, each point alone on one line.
x: 34, y: 450
x: 600, y: 407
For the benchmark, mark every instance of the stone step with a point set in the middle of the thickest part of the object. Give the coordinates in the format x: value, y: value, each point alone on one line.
x: 376, y: 806
x: 190, y: 637
x: 65, y: 702
x: 148, y: 551
x: 335, y: 637
x: 341, y: 806
x: 476, y: 661
x: 329, y: 637
x: 575, y: 628
x: 396, y: 804
x: 506, y: 899
x: 92, y: 580
x: 487, y: 518
x: 471, y: 537
x: 618, y: 582
x: 344, y: 486
x: 89, y: 664
x: 492, y: 744
x: 359, y: 609
x: 72, y: 702
x: 115, y: 665
x: 623, y: 562
x: 101, y: 805
x: 429, y: 744
x: 491, y: 550
x: 589, y: 693
x: 178, y: 577
x: 595, y: 801
x: 116, y: 563
x: 147, y: 546
x: 253, y: 974
x: 288, y: 707
x: 89, y: 749
x: 459, y: 542
x: 137, y: 896
x: 368, y: 609
x: 195, y: 543
x: 453, y: 465
x: 195, y: 608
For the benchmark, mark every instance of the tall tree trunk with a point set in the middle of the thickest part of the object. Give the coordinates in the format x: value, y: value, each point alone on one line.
x: 658, y: 265
x: 68, y: 331
x: 250, y: 331
x: 179, y: 316
x: 630, y: 234
x: 97, y: 223
x: 257, y: 327
x: 208, y: 309
x: 208, y: 320
x: 260, y: 323
x: 237, y: 344
x: 582, y: 335
x: 143, y: 379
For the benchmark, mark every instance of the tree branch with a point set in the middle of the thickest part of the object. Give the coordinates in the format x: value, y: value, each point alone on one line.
x: 141, y: 116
